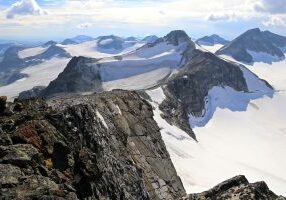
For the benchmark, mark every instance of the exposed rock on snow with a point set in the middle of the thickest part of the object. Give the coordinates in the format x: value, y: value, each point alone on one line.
x: 238, y: 188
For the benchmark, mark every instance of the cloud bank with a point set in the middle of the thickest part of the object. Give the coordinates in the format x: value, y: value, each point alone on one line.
x: 25, y: 7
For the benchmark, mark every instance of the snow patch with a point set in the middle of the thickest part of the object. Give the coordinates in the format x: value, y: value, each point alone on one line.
x: 101, y: 119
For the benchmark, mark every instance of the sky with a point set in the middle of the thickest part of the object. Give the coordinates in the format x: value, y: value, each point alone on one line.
x: 60, y: 19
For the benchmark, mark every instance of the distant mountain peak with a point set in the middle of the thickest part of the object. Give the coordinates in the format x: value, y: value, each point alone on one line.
x: 176, y: 37
x: 212, y: 40
x: 255, y: 45
x: 131, y: 38
x: 150, y: 38
x: 77, y: 39
x: 49, y: 43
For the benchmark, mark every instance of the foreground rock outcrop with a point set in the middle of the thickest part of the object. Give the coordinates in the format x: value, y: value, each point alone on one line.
x: 104, y: 146
x: 238, y: 188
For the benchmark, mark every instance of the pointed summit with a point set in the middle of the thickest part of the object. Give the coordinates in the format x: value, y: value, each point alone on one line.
x: 212, y: 40
x: 176, y: 37
x: 256, y: 46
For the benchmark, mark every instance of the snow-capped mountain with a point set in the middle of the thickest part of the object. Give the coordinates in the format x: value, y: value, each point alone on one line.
x: 212, y: 40
x: 150, y: 38
x: 131, y: 39
x: 17, y: 58
x: 256, y: 46
x: 138, y: 69
x: 190, y: 90
x: 77, y: 39
x: 103, y: 46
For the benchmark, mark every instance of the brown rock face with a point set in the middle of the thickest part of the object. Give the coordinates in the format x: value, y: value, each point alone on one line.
x: 104, y: 146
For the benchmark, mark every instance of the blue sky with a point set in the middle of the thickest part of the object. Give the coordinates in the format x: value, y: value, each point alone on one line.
x: 59, y: 19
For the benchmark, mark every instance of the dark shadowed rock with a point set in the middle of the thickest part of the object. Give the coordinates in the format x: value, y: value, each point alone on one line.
x: 3, y: 100
x: 81, y: 75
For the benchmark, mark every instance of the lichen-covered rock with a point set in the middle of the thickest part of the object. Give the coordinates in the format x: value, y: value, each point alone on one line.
x: 238, y: 188
x: 103, y: 146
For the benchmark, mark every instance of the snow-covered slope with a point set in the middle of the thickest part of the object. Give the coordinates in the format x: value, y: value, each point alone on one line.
x: 153, y: 61
x: 91, y: 49
x: 212, y: 48
x: 29, y: 52
x: 138, y: 69
x: 250, y: 141
x: 38, y: 75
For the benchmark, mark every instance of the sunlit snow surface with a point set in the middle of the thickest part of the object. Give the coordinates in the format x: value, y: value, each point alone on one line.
x: 38, y: 75
x: 250, y: 142
x: 213, y: 48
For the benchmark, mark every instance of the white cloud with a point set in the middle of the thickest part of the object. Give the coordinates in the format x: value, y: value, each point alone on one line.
x: 277, y: 21
x: 222, y: 17
x: 271, y: 6
x: 25, y: 7
x: 84, y: 25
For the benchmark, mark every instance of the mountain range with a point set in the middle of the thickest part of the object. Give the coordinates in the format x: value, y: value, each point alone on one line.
x: 128, y: 118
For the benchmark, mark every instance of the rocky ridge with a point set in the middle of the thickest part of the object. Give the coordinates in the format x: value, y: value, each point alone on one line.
x: 238, y: 188
x: 104, y: 146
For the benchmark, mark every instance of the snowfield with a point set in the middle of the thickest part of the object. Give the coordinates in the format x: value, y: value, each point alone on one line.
x: 31, y: 52
x: 249, y: 141
x: 91, y: 49
x: 38, y: 75
x: 213, y: 48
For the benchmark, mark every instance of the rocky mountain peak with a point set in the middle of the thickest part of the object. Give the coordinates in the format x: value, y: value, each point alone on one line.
x: 80, y: 75
x: 50, y: 43
x: 249, y: 46
x: 212, y: 40
x: 176, y: 37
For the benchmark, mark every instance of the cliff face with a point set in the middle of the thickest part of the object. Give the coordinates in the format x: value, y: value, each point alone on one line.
x: 104, y: 146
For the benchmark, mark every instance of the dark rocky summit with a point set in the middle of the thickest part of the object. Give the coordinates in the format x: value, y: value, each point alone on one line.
x: 256, y: 41
x: 238, y: 188
x: 81, y: 75
x: 185, y: 92
x: 104, y: 146
x: 212, y: 40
